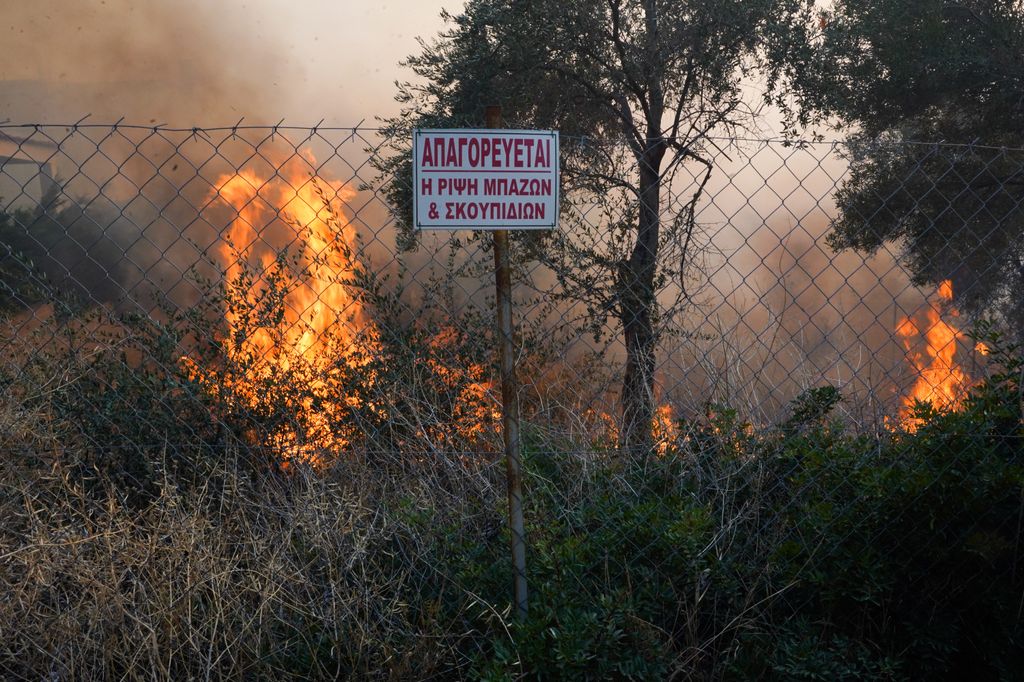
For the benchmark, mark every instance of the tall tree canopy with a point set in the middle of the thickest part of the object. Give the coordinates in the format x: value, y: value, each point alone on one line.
x: 934, y: 90
x: 635, y: 87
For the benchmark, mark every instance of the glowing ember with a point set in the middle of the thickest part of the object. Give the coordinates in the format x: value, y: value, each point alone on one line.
x: 664, y: 429
x: 475, y: 413
x: 604, y: 429
x: 940, y: 382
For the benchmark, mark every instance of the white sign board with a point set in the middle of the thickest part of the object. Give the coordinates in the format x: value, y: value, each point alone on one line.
x: 485, y: 179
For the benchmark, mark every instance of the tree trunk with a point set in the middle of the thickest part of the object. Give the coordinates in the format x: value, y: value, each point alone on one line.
x: 637, y: 307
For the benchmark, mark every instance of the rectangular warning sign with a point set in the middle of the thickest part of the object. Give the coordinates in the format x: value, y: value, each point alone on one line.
x: 485, y: 179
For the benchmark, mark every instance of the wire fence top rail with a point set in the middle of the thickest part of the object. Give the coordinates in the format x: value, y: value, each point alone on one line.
x: 359, y: 127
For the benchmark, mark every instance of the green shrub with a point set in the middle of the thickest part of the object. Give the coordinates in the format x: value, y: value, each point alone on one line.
x: 800, y: 552
x: 902, y: 549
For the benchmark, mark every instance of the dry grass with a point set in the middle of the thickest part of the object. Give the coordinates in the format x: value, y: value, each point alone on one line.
x: 304, y: 576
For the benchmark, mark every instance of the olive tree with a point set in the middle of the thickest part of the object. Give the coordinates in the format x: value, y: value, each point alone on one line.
x: 637, y: 89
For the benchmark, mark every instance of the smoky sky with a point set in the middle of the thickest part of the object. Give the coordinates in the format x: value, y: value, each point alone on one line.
x: 157, y: 61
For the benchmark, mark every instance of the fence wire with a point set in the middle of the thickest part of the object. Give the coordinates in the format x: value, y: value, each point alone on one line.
x: 172, y: 299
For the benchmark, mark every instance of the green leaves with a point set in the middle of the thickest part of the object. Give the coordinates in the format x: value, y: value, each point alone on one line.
x: 931, y: 97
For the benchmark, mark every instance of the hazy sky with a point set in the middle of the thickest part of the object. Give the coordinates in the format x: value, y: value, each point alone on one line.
x: 206, y: 62
x: 343, y: 55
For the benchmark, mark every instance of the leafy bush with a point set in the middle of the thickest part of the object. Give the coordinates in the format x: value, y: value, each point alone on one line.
x: 904, y: 547
x: 799, y: 552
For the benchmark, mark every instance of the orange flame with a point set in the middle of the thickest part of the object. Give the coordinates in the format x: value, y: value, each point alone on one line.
x: 475, y: 413
x: 297, y: 331
x: 604, y: 429
x: 664, y: 429
x: 288, y: 262
x: 940, y: 381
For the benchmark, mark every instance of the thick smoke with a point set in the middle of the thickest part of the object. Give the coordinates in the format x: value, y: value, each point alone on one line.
x: 97, y: 215
x: 159, y: 61
x: 776, y: 310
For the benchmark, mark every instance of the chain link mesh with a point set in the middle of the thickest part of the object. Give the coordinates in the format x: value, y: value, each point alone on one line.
x: 172, y: 299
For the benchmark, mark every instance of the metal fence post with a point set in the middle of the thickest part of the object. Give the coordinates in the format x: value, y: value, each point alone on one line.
x: 510, y: 402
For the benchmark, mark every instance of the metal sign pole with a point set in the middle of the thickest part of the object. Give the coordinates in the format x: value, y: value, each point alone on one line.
x: 510, y: 402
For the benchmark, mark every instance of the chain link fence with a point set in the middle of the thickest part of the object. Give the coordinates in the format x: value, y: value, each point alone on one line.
x: 251, y: 421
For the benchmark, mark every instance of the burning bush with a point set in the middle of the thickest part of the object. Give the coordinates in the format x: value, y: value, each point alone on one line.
x: 302, y: 368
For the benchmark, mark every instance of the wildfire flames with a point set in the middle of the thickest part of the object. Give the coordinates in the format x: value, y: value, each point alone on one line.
x: 604, y: 430
x: 473, y: 408
x: 300, y: 346
x: 292, y: 319
x: 940, y: 382
x: 296, y: 331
